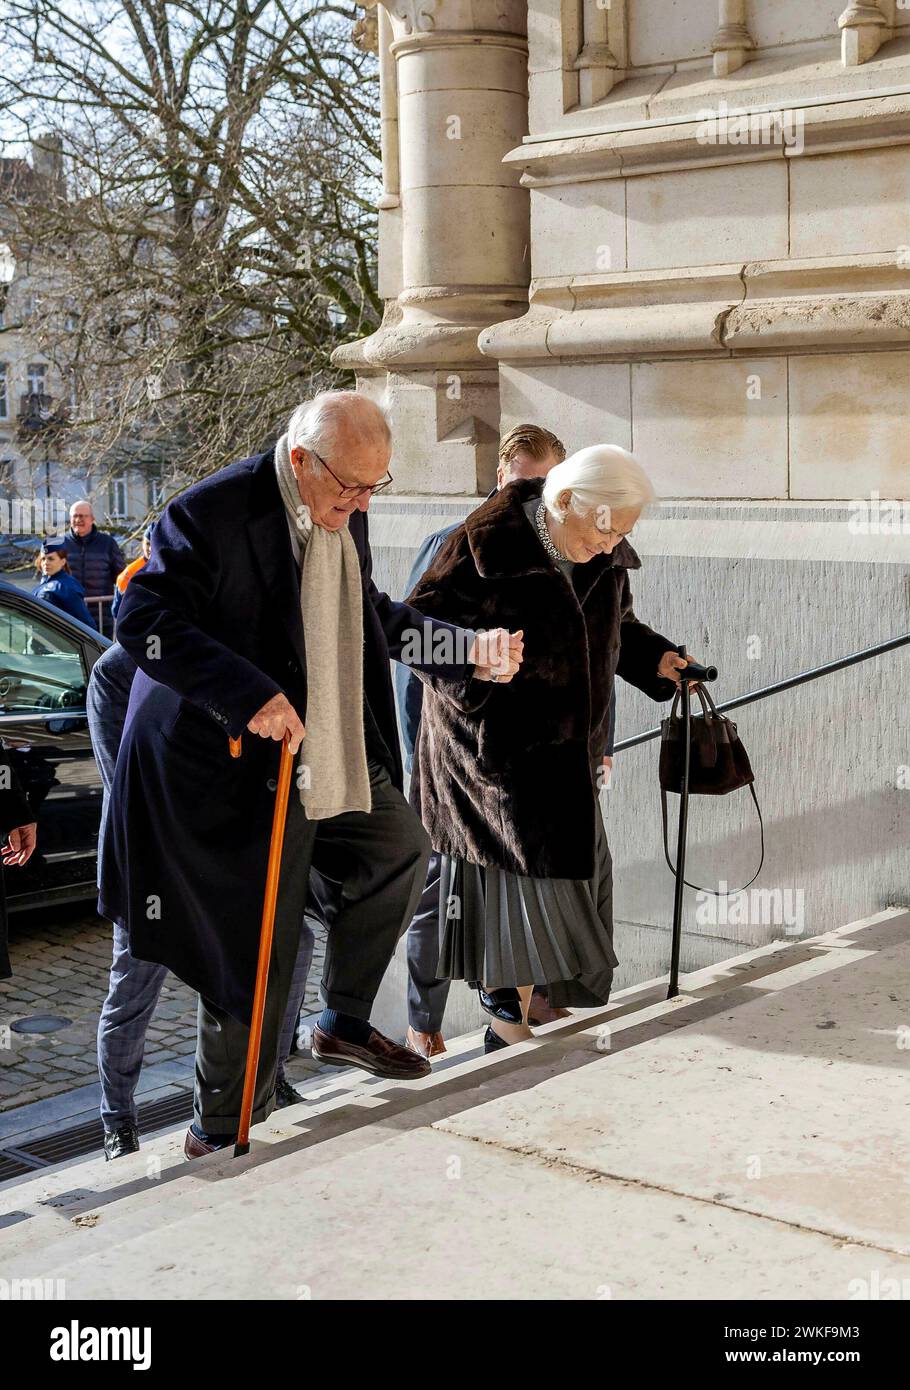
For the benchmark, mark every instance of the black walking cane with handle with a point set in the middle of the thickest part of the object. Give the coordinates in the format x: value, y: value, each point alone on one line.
x: 695, y: 671
x: 266, y: 933
x: 673, y: 989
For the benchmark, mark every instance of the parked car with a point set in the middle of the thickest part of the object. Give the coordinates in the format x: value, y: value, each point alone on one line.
x: 45, y: 660
x: 16, y: 552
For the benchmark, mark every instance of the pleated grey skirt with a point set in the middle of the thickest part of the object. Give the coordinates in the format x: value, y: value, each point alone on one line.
x: 506, y: 930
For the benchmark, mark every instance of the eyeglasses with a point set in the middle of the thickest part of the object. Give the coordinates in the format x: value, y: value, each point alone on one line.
x: 355, y: 489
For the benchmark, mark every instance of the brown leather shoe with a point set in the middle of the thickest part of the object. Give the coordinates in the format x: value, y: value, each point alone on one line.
x: 425, y: 1044
x: 194, y: 1148
x: 380, y: 1055
x: 541, y: 1011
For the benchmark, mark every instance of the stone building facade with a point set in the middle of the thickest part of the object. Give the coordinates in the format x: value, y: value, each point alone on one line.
x: 682, y: 226
x: 39, y: 479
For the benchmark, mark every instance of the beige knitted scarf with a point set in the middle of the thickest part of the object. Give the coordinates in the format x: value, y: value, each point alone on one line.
x: 332, y: 776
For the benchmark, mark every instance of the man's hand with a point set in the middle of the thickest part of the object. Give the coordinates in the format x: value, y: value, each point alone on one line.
x: 20, y: 846
x: 497, y: 655
x: 671, y: 663
x: 277, y: 718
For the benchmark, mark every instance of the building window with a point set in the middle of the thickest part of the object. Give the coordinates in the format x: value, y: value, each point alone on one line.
x: 4, y: 392
x: 116, y: 498
x: 36, y: 373
x: 156, y: 492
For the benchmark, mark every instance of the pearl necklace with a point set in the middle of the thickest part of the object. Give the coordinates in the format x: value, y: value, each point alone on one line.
x: 545, y: 539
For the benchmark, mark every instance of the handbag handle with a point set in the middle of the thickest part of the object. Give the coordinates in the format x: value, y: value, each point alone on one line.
x: 706, y: 714
x: 700, y: 692
x: 761, y: 826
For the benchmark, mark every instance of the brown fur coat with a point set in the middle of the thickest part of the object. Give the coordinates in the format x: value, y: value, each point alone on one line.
x: 504, y: 775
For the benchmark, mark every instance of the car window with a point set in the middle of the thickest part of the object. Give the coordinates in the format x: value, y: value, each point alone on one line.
x: 41, y: 668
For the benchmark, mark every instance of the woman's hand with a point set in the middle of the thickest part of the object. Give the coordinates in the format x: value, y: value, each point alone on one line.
x: 20, y: 846
x: 497, y: 654
x: 671, y: 663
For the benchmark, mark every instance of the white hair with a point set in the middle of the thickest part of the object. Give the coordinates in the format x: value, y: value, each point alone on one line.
x: 316, y: 424
x: 603, y: 475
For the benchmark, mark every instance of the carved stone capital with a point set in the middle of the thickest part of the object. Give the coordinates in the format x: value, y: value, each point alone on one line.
x: 417, y: 16
x: 365, y: 33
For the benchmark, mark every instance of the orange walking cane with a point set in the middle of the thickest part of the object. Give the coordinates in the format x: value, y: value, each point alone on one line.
x: 266, y: 933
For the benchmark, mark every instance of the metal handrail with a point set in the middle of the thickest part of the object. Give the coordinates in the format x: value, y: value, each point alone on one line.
x: 775, y: 689
x: 763, y: 693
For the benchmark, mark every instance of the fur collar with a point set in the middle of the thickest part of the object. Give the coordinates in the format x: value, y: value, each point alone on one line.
x: 504, y: 543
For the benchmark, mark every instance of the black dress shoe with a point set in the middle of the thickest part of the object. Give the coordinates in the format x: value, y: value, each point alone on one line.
x: 504, y: 1004
x: 118, y: 1142
x: 286, y: 1095
x: 492, y: 1042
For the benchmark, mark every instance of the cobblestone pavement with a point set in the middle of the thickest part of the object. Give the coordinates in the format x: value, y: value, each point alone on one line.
x: 60, y: 962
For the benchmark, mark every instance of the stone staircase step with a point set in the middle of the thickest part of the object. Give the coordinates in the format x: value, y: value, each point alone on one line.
x: 60, y: 1219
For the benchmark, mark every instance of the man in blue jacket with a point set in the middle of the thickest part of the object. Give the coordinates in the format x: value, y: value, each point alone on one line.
x: 95, y: 559
x: 257, y: 619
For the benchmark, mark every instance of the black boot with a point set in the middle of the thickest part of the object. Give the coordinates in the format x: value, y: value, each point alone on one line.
x: 118, y: 1142
x: 285, y: 1094
x: 492, y: 1042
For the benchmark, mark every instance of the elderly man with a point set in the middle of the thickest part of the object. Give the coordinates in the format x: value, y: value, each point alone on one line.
x: 95, y: 559
x: 257, y: 615
x: 135, y: 985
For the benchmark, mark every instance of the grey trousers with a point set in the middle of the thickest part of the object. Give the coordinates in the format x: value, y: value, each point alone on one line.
x: 299, y: 978
x: 427, y: 994
x: 380, y: 859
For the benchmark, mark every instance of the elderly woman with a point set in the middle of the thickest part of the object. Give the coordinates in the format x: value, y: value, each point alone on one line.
x: 507, y: 775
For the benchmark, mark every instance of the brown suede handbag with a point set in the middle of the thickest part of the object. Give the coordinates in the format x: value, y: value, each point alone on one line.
x: 718, y: 764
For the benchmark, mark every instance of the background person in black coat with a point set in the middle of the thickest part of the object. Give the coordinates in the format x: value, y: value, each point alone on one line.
x: 215, y: 624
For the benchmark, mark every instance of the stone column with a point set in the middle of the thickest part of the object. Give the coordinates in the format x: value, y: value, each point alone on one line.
x: 864, y: 28
x: 461, y: 77
x: 732, y: 40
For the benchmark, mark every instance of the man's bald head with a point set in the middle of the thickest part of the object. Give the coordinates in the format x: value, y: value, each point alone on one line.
x: 322, y: 424
x: 338, y: 442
